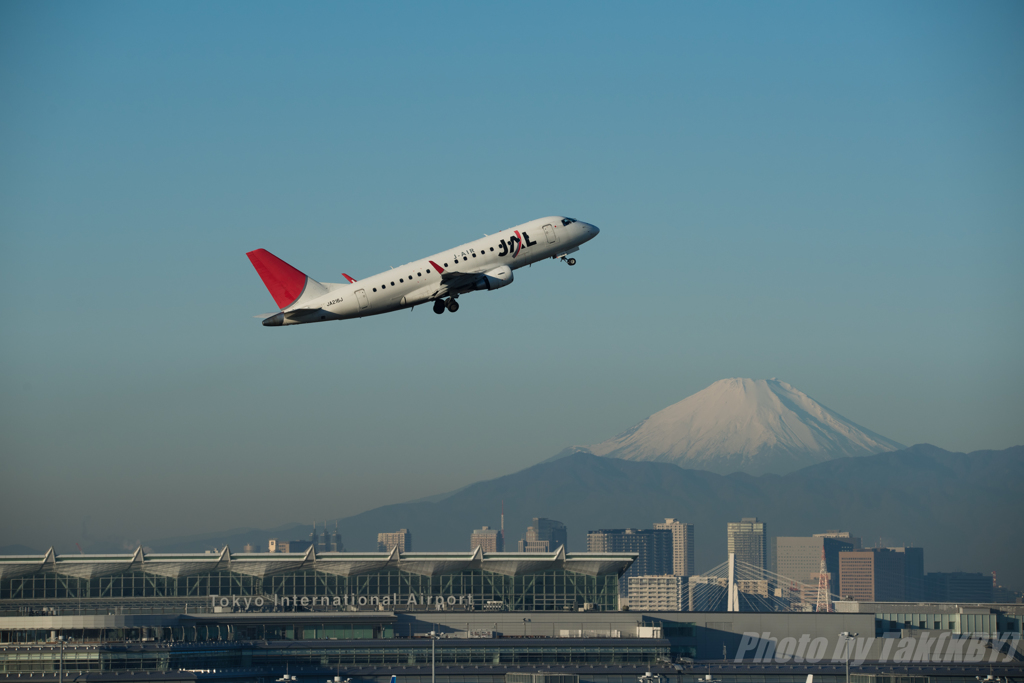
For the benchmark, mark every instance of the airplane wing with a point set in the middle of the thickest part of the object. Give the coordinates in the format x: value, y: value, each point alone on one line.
x: 454, y: 281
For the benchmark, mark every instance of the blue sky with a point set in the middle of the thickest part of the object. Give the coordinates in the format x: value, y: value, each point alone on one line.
x: 827, y: 193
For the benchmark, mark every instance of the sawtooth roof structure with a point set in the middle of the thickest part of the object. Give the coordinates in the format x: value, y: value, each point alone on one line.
x: 343, y: 564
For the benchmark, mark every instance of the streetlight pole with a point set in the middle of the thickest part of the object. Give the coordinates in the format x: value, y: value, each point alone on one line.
x: 848, y: 637
x: 63, y: 642
x: 433, y: 641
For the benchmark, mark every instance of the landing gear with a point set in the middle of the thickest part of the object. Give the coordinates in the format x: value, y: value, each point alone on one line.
x: 571, y: 262
x: 450, y: 303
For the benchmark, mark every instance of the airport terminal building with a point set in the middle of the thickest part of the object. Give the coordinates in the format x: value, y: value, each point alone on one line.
x: 466, y: 617
x: 326, y: 581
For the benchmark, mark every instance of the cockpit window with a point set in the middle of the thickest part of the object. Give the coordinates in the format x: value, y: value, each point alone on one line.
x: 567, y: 221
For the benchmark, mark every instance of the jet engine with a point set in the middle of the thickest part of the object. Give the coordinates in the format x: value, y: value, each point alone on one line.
x: 494, y: 279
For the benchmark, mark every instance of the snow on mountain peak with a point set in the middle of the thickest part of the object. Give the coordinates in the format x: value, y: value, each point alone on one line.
x: 753, y: 426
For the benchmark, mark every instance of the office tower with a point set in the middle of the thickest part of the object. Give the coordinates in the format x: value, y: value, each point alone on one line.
x: 552, y: 531
x: 487, y: 539
x: 273, y: 546
x: 799, y: 558
x: 533, y: 543
x: 545, y: 535
x: 958, y: 587
x: 653, y: 546
x: 843, y: 536
x: 913, y: 573
x: 872, y: 575
x: 748, y: 540
x: 298, y: 546
x: 401, y: 539
x: 336, y: 545
x: 682, y: 545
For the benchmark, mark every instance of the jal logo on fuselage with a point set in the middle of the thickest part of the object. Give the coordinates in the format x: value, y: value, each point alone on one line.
x: 515, y: 244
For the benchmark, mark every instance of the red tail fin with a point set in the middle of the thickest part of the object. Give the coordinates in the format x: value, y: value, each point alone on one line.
x: 285, y: 283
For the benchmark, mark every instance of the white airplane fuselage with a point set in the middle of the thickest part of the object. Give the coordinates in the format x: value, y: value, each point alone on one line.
x: 483, y: 264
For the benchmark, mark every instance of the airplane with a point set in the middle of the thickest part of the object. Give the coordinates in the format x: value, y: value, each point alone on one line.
x: 484, y: 264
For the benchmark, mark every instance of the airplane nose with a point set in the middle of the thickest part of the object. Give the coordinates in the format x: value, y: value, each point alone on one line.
x: 592, y: 229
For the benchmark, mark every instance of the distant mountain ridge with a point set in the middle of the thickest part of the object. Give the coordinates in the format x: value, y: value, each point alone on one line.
x: 743, y: 425
x: 958, y: 506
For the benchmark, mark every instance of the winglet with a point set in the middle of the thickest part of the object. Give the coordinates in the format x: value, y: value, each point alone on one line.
x: 348, y: 277
x: 438, y: 268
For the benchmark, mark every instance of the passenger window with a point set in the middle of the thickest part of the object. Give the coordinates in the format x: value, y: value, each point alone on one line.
x: 392, y: 283
x: 401, y: 280
x: 446, y: 265
x: 492, y: 248
x: 375, y: 289
x: 428, y: 270
x: 456, y: 260
x: 419, y: 274
x: 473, y: 255
x: 383, y: 286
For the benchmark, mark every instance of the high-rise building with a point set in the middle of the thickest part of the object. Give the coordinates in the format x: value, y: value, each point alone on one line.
x: 401, y: 539
x: 336, y: 545
x: 913, y: 573
x: 842, y: 535
x: 682, y: 545
x: 658, y: 593
x: 872, y: 575
x: 545, y: 535
x: 653, y: 546
x: 297, y: 546
x: 799, y: 558
x: 487, y: 539
x: 748, y: 540
x: 274, y: 547
x: 958, y: 587
x: 533, y: 543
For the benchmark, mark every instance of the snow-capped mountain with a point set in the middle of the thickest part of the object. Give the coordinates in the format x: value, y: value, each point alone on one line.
x: 744, y: 425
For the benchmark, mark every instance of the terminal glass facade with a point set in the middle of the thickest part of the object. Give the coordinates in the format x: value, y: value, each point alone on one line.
x: 554, y: 589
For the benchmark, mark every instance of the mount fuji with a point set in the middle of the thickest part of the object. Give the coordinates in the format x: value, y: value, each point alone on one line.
x: 743, y: 425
